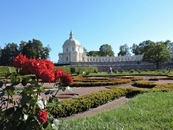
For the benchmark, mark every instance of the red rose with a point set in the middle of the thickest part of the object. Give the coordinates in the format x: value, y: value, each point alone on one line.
x: 66, y: 79
x: 49, y: 64
x: 42, y: 116
x: 58, y: 73
x: 19, y: 60
x: 46, y: 75
x: 27, y: 66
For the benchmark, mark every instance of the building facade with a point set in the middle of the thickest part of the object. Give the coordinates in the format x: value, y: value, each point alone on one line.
x: 74, y: 55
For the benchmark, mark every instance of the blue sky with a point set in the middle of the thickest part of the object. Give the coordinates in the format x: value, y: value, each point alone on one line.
x: 94, y: 22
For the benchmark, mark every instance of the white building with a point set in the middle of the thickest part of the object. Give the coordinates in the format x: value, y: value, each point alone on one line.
x: 73, y: 52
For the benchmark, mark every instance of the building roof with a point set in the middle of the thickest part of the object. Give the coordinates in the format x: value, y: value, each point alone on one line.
x: 71, y: 40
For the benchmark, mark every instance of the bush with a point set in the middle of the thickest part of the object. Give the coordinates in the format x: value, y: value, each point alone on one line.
x: 68, y: 107
x: 144, y: 84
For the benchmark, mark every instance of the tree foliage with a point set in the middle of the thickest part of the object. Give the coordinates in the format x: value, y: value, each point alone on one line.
x: 93, y: 53
x: 141, y: 48
x: 124, y: 50
x: 35, y: 49
x: 156, y: 53
x: 8, y: 54
x: 32, y: 49
x: 106, y: 50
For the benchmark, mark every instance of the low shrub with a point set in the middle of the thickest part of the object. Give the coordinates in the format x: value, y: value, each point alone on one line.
x: 144, y: 84
x: 68, y: 107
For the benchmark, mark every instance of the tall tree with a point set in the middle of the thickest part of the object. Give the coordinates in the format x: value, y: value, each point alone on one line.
x: 135, y: 49
x: 93, y: 53
x: 124, y: 50
x: 106, y: 50
x: 141, y: 48
x: 156, y: 53
x: 8, y: 54
x: 168, y: 44
x: 22, y: 45
x: 35, y: 49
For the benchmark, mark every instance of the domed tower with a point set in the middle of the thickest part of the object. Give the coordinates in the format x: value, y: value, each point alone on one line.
x: 72, y: 51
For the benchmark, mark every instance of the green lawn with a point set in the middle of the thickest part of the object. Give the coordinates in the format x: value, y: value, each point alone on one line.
x: 149, y: 111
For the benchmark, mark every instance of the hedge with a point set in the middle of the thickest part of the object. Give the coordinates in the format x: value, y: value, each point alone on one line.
x: 68, y: 107
x: 4, y: 70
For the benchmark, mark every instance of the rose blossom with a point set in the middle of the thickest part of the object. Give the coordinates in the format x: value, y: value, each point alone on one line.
x: 46, y: 75
x: 66, y: 79
x: 58, y: 73
x: 19, y: 60
x: 42, y: 116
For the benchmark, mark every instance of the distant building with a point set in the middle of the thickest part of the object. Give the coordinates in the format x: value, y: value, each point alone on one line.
x: 74, y: 55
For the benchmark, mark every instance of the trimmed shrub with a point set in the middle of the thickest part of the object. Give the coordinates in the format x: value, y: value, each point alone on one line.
x: 144, y: 84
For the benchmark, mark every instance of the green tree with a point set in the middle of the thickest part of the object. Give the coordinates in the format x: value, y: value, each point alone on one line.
x: 156, y: 53
x: 35, y: 49
x: 106, y: 50
x: 8, y: 53
x: 135, y: 49
x: 124, y: 50
x: 93, y: 53
x: 168, y: 44
x: 141, y: 48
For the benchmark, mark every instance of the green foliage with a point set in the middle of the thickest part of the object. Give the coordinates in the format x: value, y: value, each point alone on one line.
x: 4, y: 70
x: 124, y: 50
x: 32, y: 49
x: 99, y: 82
x: 80, y: 70
x: 106, y: 50
x: 35, y: 49
x: 93, y: 53
x: 71, y: 106
x: 145, y: 112
x: 156, y: 53
x: 144, y: 84
x: 8, y: 53
x: 22, y: 112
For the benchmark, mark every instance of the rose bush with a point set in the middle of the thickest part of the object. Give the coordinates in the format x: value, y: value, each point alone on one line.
x: 27, y: 110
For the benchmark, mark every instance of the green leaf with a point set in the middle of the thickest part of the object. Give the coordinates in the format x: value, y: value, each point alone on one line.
x: 24, y: 100
x: 13, y: 78
x: 42, y: 89
x: 11, y: 91
x: 34, y: 82
x: 25, y: 81
x: 1, y: 84
x: 45, y: 125
x: 17, y: 114
x: 33, y: 102
x: 9, y: 111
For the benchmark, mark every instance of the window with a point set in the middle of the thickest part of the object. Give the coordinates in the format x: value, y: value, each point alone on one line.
x: 66, y: 58
x: 73, y: 49
x: 66, y: 49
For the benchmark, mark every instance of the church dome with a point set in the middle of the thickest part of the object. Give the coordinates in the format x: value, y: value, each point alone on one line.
x: 71, y: 40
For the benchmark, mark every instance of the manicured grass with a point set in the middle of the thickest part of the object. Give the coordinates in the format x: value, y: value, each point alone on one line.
x: 149, y: 111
